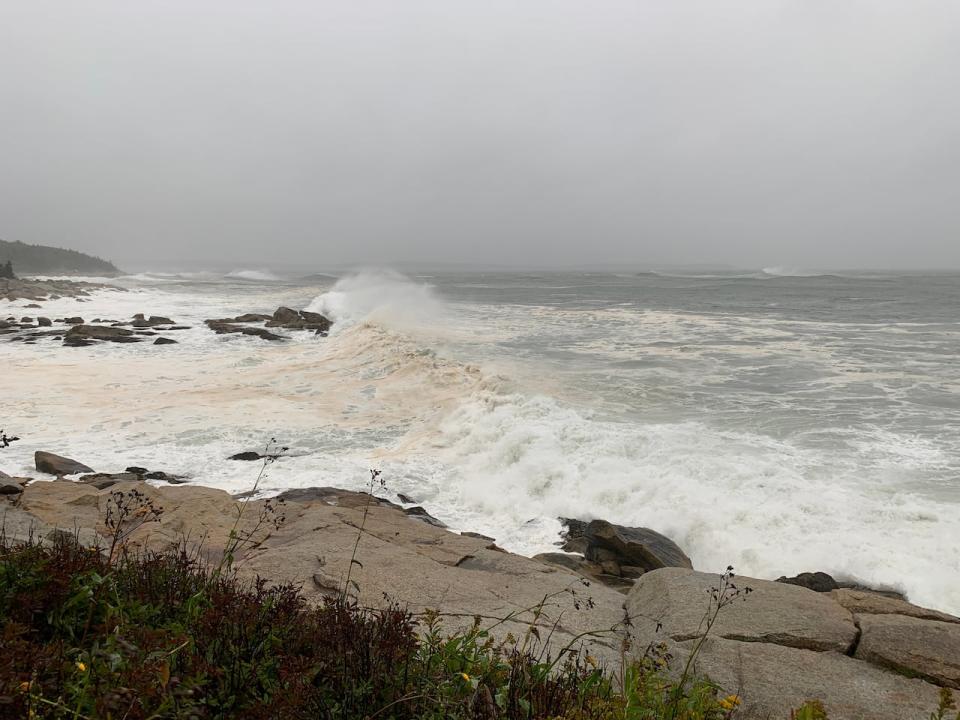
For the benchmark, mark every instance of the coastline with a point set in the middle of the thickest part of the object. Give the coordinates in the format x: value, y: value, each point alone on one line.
x: 781, y: 646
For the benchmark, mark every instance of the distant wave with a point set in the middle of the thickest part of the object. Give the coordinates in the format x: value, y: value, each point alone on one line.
x: 253, y: 275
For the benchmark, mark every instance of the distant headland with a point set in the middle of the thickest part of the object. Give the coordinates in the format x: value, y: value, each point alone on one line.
x: 43, y: 259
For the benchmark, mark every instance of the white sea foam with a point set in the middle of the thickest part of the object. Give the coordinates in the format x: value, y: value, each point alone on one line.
x: 505, y: 445
x: 380, y: 296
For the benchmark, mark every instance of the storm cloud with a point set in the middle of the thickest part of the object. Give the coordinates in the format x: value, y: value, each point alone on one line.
x: 542, y: 133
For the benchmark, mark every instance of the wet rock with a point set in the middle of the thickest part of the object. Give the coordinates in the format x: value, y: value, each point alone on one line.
x: 928, y: 649
x: 10, y: 489
x: 164, y: 341
x: 99, y: 332
x: 164, y: 477
x: 285, y: 315
x: 32, y: 305
x: 247, y: 456
x: 44, y: 322
x: 573, y: 537
x: 73, y: 320
x: 406, y: 499
x: 816, y: 581
x: 635, y: 547
x: 137, y: 470
x: 221, y: 328
x: 57, y: 465
x: 478, y: 536
x: 299, y: 320
x: 140, y: 321
x: 420, y: 513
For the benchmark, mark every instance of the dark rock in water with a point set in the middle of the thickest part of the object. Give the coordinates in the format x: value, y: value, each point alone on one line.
x: 144, y: 332
x: 26, y: 320
x: 406, y: 499
x: 250, y: 317
x: 574, y: 535
x: 98, y: 332
x: 285, y: 315
x: 140, y: 321
x: 44, y: 322
x: 73, y: 320
x: 10, y: 489
x: 246, y: 456
x: 177, y: 327
x: 32, y: 305
x: 635, y: 547
x: 419, y: 513
x: 312, y: 317
x: 57, y: 465
x: 299, y: 320
x: 816, y: 581
x: 136, y: 470
x: 221, y: 327
x: 164, y: 341
x: 158, y: 475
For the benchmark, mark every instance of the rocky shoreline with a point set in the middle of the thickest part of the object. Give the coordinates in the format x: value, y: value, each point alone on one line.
x: 77, y: 332
x: 625, y: 592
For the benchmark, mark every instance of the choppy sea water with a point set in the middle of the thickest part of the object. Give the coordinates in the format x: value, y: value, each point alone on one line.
x: 776, y: 423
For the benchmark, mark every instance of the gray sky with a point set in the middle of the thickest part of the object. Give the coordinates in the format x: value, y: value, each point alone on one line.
x: 804, y: 133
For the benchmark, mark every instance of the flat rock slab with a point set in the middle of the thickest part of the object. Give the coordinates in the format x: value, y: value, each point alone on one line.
x: 927, y: 649
x: 861, y: 602
x: 773, y: 612
x: 406, y: 560
x: 772, y: 680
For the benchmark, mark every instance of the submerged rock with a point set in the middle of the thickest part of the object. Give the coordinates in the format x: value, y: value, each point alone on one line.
x: 248, y: 456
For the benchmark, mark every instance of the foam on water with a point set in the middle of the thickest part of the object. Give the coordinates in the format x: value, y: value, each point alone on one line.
x: 502, y: 417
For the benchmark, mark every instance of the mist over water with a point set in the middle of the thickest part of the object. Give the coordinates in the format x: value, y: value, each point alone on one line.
x: 779, y: 421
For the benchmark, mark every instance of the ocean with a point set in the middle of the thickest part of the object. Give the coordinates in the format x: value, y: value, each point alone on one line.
x: 774, y: 421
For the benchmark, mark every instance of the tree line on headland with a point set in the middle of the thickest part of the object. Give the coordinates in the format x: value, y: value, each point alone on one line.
x: 34, y: 259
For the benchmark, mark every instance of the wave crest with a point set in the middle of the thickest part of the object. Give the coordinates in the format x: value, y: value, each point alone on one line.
x: 382, y: 297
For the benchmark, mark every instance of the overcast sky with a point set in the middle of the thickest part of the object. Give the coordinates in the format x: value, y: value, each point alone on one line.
x: 795, y: 133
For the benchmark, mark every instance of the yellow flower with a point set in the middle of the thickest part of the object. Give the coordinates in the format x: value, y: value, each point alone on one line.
x: 81, y: 666
x: 591, y: 660
x: 729, y: 702
x: 465, y: 676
